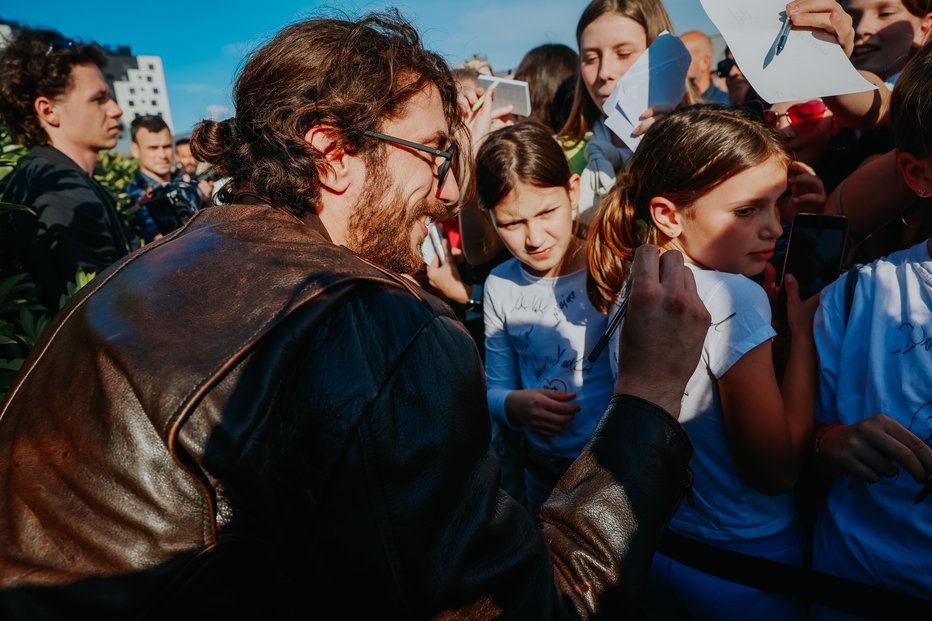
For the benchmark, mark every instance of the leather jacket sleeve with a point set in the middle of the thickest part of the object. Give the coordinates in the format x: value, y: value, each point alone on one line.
x: 402, y: 507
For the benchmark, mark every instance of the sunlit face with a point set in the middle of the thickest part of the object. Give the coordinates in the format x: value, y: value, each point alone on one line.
x: 885, y: 33
x: 734, y: 227
x: 154, y: 152
x: 808, y: 139
x: 89, y: 118
x: 608, y: 47
x: 184, y: 158
x: 536, y: 225
x: 389, y: 223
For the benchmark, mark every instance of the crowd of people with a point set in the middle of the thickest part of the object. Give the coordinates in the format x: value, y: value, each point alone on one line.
x: 289, y: 405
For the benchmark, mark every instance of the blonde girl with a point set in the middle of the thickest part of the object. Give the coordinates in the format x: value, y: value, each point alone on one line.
x: 611, y: 35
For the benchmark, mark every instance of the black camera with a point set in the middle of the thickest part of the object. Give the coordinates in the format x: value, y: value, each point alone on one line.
x: 172, y: 204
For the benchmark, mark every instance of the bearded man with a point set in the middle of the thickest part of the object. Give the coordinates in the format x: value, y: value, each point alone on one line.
x: 261, y: 417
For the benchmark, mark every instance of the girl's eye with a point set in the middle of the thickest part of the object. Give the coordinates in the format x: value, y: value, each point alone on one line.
x: 588, y: 60
x: 744, y: 212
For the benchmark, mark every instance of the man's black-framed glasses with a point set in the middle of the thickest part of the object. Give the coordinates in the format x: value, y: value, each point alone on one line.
x: 447, y: 155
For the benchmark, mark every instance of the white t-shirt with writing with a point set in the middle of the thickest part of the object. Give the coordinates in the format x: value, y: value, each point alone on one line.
x: 881, y: 363
x: 538, y: 332
x: 723, y: 506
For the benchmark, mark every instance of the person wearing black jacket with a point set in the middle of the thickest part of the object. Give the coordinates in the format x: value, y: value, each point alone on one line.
x: 263, y: 418
x: 54, y: 99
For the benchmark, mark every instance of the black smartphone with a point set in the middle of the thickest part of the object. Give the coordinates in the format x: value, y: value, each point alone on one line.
x: 815, y: 251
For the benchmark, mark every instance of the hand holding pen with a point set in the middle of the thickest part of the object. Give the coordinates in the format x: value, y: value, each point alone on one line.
x: 665, y: 326
x: 827, y: 15
x: 480, y: 117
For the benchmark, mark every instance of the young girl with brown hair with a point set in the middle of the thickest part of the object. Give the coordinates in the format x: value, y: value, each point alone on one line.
x: 539, y: 324
x: 705, y: 181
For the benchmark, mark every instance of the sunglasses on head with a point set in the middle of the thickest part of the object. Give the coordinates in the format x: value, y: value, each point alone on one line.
x: 61, y: 43
x: 805, y: 115
x: 724, y: 67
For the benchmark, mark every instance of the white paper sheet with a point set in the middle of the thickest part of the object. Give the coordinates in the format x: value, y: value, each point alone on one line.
x: 657, y: 77
x: 811, y: 65
x: 509, y: 92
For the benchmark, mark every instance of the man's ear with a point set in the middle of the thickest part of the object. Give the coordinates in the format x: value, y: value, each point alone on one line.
x: 666, y: 216
x: 916, y: 172
x: 45, y: 112
x: 134, y: 150
x: 337, y: 175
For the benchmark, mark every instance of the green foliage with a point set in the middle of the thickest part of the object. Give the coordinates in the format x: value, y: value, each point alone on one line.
x: 115, y: 172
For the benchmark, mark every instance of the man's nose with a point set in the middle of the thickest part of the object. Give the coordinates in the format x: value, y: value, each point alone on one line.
x: 449, y: 192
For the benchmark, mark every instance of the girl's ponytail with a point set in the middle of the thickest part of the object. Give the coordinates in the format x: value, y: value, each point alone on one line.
x: 614, y: 234
x: 685, y: 155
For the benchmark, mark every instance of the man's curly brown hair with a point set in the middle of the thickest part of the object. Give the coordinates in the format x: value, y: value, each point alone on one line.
x: 37, y: 63
x: 351, y: 75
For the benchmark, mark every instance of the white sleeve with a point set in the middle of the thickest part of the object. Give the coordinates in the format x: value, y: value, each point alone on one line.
x: 740, y: 314
x: 501, y: 363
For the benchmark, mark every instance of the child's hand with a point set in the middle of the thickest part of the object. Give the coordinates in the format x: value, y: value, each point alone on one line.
x: 486, y: 119
x: 824, y: 15
x: 770, y: 284
x: 799, y: 313
x: 808, y: 191
x: 871, y: 448
x: 651, y: 116
x: 543, y: 411
x: 445, y: 277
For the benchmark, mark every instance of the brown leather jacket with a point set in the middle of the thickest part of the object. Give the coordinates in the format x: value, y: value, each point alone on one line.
x: 245, y: 418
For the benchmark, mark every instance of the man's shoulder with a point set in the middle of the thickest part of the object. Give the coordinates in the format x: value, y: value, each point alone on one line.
x: 44, y: 170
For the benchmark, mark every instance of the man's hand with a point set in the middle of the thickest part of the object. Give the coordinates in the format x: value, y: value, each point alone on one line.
x: 871, y: 449
x: 663, y: 331
x: 543, y: 411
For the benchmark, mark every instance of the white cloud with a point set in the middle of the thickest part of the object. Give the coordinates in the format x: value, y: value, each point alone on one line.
x: 218, y: 112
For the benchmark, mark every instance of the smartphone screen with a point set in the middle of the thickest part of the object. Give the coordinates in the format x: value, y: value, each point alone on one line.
x: 815, y: 251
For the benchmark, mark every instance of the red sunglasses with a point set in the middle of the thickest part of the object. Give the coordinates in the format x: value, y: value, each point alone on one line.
x: 804, y: 115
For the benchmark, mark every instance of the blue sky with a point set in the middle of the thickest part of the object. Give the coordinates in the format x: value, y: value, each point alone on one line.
x: 203, y: 42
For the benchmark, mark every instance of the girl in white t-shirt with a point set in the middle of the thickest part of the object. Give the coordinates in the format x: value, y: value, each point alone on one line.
x: 539, y: 323
x: 705, y: 181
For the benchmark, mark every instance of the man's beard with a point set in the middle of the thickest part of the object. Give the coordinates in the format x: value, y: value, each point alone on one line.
x: 380, y: 227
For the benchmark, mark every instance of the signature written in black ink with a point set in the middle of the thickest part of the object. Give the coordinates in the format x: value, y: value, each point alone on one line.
x: 535, y: 305
x: 719, y: 324
x: 915, y: 337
